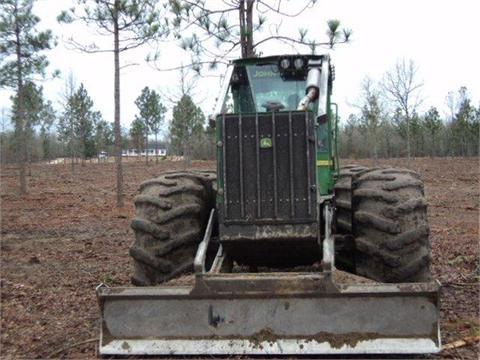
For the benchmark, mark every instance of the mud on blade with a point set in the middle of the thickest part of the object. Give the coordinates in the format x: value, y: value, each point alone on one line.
x: 358, y: 319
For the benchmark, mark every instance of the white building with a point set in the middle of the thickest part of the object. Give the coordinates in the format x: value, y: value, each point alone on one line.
x: 151, y: 152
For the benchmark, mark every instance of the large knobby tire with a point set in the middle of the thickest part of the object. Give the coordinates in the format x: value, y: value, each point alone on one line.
x: 344, y: 240
x: 343, y: 197
x: 390, y: 226
x: 171, y: 215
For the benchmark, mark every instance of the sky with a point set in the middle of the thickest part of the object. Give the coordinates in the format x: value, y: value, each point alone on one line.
x: 439, y: 36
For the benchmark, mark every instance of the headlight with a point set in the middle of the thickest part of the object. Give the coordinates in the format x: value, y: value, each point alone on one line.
x: 284, y: 64
x: 293, y: 67
x: 298, y: 63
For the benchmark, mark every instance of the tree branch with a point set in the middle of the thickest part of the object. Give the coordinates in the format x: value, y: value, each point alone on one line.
x: 189, y: 66
x: 65, y: 348
x: 289, y: 39
x: 277, y: 10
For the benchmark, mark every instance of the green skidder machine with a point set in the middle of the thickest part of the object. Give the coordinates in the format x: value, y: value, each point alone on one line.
x: 291, y: 253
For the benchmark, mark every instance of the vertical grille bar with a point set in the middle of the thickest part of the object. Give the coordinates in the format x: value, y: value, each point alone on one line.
x: 240, y: 152
x: 274, y: 153
x: 290, y: 162
x: 257, y: 154
x: 224, y: 162
x: 307, y: 147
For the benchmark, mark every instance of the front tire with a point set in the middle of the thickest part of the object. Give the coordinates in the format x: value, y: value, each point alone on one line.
x: 390, y: 226
x: 343, y: 197
x: 344, y: 240
x: 171, y: 215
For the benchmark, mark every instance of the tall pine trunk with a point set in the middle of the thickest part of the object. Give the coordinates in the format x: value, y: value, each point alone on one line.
x: 21, y: 118
x: 118, y: 139
x: 156, y: 148
x: 246, y: 27
x: 408, y: 139
x: 146, y: 144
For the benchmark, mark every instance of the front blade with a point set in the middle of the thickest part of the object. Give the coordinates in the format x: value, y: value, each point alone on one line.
x: 358, y: 319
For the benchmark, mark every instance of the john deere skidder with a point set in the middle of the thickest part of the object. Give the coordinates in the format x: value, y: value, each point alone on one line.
x: 267, y: 232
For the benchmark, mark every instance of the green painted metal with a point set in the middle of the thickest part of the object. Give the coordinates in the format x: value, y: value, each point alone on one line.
x: 325, y: 154
x: 245, y: 100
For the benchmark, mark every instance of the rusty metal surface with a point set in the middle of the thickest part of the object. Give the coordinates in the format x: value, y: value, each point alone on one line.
x: 263, y: 284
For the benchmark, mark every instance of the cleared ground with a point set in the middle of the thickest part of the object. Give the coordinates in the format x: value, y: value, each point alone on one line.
x: 66, y: 236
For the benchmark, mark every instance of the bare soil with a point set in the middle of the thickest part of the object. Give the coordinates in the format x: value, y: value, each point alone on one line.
x: 66, y: 236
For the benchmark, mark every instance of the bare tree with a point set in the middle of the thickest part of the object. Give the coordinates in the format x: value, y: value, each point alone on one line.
x: 66, y: 122
x: 463, y: 123
x: 401, y: 86
x: 372, y: 111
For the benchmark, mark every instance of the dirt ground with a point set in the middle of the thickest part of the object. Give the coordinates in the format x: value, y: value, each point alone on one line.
x: 66, y: 236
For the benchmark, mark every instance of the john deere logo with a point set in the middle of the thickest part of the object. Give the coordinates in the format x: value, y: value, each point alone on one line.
x: 265, y: 143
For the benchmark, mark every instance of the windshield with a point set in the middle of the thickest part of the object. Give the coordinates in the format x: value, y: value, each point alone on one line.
x: 262, y: 88
x: 268, y: 87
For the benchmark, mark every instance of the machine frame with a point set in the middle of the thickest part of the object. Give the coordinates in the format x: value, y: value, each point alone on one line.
x: 265, y: 312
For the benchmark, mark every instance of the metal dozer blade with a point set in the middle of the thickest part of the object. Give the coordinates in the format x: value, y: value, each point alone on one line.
x: 274, y: 313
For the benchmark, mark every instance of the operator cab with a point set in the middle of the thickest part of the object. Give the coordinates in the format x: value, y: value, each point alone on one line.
x: 273, y: 84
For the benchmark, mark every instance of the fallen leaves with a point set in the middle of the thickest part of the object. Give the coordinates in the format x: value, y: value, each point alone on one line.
x: 66, y: 236
x: 469, y: 340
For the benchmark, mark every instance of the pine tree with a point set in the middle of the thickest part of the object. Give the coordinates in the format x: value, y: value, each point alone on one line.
x: 104, y: 138
x: 137, y: 134
x: 432, y: 124
x: 78, y: 122
x: 20, y: 47
x: 152, y: 113
x: 47, y: 118
x: 131, y: 23
x: 214, y: 34
x: 187, y: 124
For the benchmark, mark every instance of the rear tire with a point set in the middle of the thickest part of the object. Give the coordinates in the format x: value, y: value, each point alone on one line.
x: 343, y: 197
x: 171, y: 215
x: 390, y: 226
x: 344, y: 240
